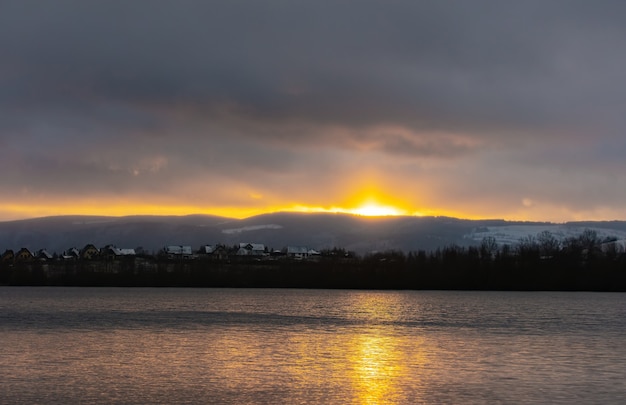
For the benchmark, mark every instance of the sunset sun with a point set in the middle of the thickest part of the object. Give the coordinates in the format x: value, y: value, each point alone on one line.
x: 367, y: 208
x: 377, y: 210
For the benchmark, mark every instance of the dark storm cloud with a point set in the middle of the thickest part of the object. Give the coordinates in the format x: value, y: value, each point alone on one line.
x: 133, y: 95
x: 425, y: 64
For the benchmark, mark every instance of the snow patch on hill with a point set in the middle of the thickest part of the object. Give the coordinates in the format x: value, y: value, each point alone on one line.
x: 511, y: 234
x: 250, y: 228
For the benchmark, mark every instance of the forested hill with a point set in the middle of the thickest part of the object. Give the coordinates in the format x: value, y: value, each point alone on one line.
x: 315, y: 231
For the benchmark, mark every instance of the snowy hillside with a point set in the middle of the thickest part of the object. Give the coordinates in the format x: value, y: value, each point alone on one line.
x: 511, y: 234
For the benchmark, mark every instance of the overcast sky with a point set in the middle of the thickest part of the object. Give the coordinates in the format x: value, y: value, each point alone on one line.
x: 476, y: 109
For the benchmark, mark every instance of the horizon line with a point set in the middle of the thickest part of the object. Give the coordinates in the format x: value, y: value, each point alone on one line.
x: 307, y: 213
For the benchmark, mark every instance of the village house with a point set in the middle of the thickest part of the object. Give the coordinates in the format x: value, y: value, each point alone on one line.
x: 71, y: 254
x: 313, y: 252
x: 89, y: 252
x: 178, y: 252
x: 43, y: 255
x: 297, y: 252
x: 276, y: 253
x: 111, y: 252
x: 8, y: 256
x: 251, y: 249
x: 214, y: 252
x: 300, y: 252
x: 24, y: 255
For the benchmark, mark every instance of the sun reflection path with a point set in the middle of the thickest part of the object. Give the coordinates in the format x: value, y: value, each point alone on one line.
x: 382, y: 360
x: 376, y: 369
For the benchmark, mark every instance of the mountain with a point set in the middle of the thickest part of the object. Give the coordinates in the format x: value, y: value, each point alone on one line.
x: 277, y: 230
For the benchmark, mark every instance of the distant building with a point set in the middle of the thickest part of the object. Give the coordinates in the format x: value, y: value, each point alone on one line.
x: 43, y: 255
x: 297, y: 252
x: 178, y: 252
x: 89, y: 252
x: 214, y: 252
x: 8, y: 256
x: 251, y: 249
x: 24, y: 255
x: 112, y: 252
x: 71, y: 254
x: 277, y: 253
x: 313, y: 252
x: 300, y: 252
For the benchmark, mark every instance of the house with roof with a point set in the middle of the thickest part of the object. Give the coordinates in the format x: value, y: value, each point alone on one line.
x: 178, y: 252
x: 112, y: 252
x: 89, y: 252
x: 214, y: 252
x: 24, y: 255
x: 251, y: 249
x: 297, y: 252
x: 43, y: 255
x: 8, y: 256
x: 278, y: 253
x: 71, y: 254
x: 313, y: 252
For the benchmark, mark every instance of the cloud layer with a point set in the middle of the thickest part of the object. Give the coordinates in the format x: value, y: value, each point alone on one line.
x: 477, y: 109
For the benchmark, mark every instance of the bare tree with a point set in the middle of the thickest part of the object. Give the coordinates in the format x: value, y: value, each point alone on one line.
x: 488, y: 247
x: 548, y: 244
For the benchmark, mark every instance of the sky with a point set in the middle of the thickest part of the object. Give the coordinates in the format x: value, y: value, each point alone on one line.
x: 472, y: 109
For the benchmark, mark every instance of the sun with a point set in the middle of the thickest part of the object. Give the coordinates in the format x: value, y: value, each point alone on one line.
x: 368, y: 202
x: 367, y: 209
x: 377, y: 210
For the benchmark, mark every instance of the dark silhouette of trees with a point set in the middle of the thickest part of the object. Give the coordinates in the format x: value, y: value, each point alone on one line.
x: 541, y: 262
x: 548, y: 244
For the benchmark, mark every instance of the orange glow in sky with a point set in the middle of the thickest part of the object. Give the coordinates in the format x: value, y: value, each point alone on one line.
x: 364, y: 198
x: 357, y: 205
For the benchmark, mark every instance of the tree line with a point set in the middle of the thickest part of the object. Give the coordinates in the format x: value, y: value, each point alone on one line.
x: 541, y: 262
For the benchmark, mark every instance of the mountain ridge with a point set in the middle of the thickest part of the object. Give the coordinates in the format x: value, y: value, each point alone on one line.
x: 276, y: 230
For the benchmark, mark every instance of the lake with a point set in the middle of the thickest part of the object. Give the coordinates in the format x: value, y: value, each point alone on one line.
x: 266, y: 346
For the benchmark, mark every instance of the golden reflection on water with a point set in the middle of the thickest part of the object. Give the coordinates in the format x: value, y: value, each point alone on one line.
x: 368, y: 363
x: 380, y: 359
x: 376, y: 368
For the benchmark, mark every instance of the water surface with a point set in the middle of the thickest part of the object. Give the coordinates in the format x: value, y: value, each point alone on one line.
x: 162, y: 346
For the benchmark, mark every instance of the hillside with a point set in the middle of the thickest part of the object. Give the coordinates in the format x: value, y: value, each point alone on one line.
x: 317, y: 231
